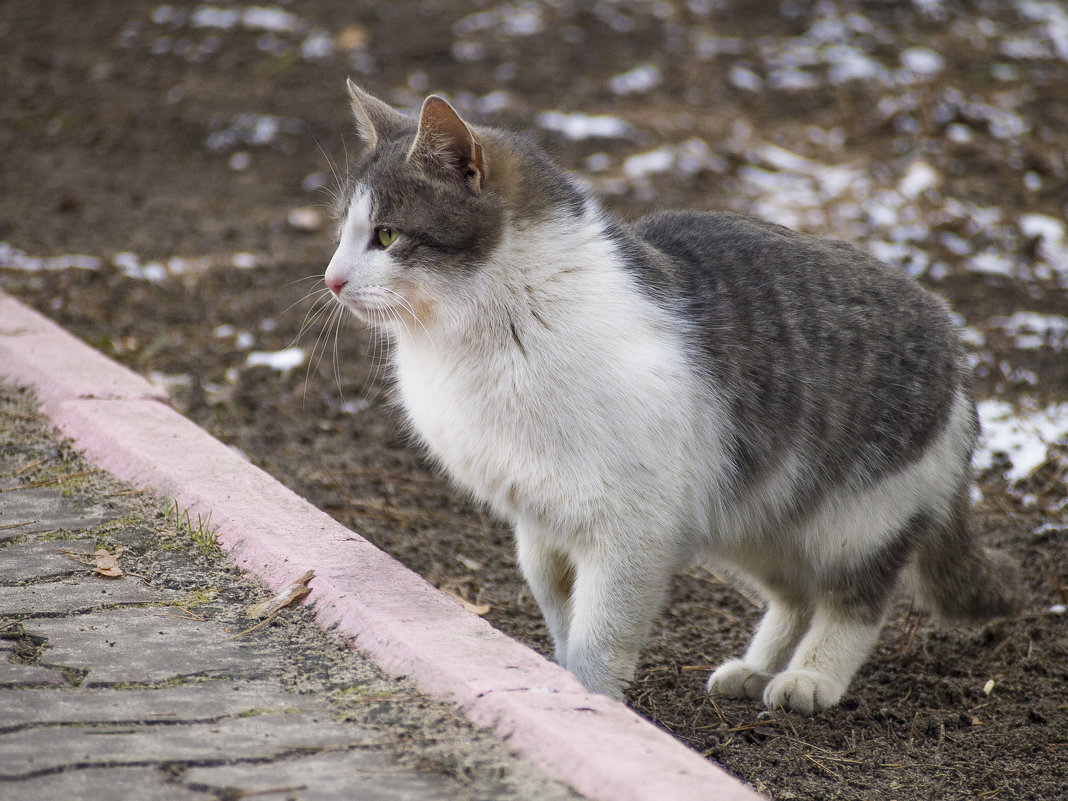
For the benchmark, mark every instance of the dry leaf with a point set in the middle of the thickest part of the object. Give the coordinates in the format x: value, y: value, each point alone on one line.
x: 107, y: 564
x: 475, y: 609
x: 469, y: 563
x: 292, y: 594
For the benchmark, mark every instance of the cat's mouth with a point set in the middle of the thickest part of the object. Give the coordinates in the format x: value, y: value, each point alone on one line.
x: 368, y: 310
x: 378, y: 305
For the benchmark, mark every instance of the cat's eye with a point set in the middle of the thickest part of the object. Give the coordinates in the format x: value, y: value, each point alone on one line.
x: 385, y: 236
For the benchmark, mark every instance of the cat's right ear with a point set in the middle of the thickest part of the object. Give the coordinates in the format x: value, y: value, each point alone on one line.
x: 375, y: 120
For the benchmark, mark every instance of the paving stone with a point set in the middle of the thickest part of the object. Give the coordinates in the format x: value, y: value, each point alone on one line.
x: 101, y: 784
x: 359, y: 774
x: 259, y: 737
x: 40, y: 559
x: 17, y: 674
x: 84, y: 593
x: 47, y: 509
x: 195, y: 702
x: 146, y: 645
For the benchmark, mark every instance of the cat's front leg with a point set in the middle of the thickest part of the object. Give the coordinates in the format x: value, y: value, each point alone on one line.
x: 781, y: 629
x: 550, y: 575
x: 616, y: 596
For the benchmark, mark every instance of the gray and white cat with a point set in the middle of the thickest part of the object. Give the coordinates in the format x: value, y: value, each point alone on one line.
x: 694, y: 387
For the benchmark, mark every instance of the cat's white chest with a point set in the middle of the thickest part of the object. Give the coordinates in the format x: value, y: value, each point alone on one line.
x: 595, y: 407
x: 476, y: 416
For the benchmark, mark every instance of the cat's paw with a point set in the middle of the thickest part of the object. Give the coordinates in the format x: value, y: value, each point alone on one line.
x: 738, y: 679
x: 803, y: 691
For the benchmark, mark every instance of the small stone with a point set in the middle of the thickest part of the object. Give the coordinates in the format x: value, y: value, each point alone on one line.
x: 305, y: 219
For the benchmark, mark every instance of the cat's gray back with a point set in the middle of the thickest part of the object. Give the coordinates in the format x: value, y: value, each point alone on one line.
x: 811, y: 343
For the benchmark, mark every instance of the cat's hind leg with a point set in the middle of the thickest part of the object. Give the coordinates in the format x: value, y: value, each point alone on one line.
x: 781, y: 629
x: 852, y: 594
x: 828, y: 656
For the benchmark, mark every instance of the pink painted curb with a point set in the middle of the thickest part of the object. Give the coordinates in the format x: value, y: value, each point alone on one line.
x: 126, y: 426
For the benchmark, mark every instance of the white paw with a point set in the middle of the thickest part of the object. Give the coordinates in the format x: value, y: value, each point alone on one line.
x: 803, y: 691
x: 738, y: 679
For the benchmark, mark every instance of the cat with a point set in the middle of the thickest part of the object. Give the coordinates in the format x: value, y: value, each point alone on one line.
x: 693, y: 387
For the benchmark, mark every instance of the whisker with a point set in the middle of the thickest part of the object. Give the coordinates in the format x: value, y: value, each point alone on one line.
x: 312, y: 277
x: 339, y: 321
x: 337, y: 196
x: 313, y: 316
x: 324, y: 311
x: 315, y: 297
x: 323, y: 338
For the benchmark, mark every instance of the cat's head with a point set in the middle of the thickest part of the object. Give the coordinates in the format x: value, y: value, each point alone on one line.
x: 432, y: 202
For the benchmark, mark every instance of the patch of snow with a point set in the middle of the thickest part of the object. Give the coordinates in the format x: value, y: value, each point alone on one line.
x: 281, y: 360
x: 578, y: 126
x: 919, y: 177
x: 317, y: 45
x: 269, y: 18
x: 922, y: 60
x: 214, y: 17
x: 354, y: 406
x: 253, y: 130
x: 685, y: 158
x: 639, y: 80
x: 1031, y: 330
x: 792, y: 79
x: 742, y: 77
x: 1053, y: 23
x: 660, y: 160
x: 1052, y: 246
x: 169, y: 382
x: 707, y: 46
x: 15, y: 259
x: 846, y: 63
x: 992, y: 263
x: 1023, y: 437
x: 959, y: 133
x: 510, y: 19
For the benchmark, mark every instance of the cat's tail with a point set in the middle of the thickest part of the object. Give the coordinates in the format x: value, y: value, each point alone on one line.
x: 956, y: 578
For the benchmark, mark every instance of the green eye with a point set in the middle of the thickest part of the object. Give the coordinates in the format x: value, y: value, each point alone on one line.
x: 385, y: 236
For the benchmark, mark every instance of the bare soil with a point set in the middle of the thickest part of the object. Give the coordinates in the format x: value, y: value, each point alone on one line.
x: 122, y: 141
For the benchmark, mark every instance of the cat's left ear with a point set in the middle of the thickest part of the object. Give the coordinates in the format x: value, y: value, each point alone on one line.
x: 446, y: 139
x: 375, y: 120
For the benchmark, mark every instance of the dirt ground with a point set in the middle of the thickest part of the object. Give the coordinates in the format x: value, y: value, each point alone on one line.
x: 164, y: 183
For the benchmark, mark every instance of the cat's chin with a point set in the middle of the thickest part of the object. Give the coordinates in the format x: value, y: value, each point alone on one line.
x: 367, y: 314
x: 364, y: 314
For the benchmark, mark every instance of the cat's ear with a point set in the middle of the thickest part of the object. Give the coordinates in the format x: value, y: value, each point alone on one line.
x: 375, y: 120
x: 446, y: 139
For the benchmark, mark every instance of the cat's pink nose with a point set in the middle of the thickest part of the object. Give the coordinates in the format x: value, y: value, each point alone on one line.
x: 336, y: 284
